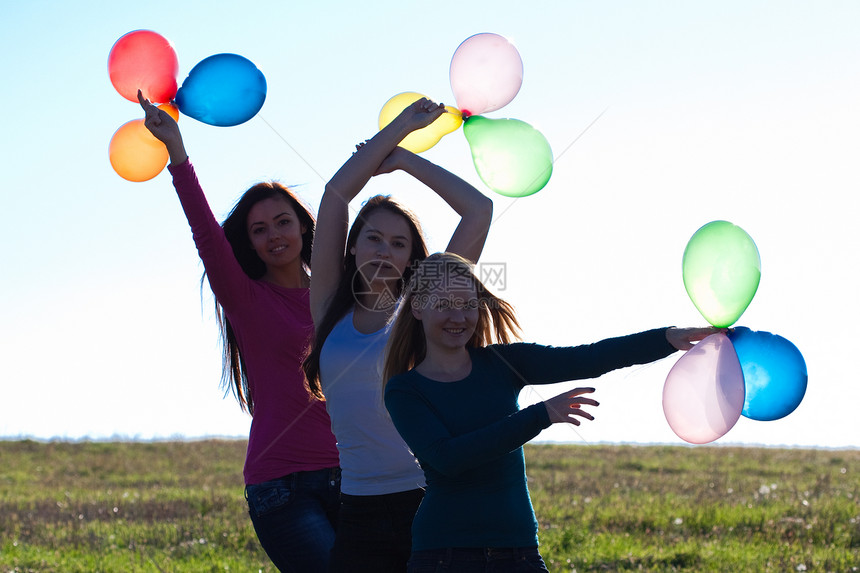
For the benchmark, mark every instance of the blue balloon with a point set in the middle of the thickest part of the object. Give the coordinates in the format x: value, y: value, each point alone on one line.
x: 774, y: 373
x: 222, y: 90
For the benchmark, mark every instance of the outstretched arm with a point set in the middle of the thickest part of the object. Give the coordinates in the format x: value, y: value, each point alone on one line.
x: 475, y: 208
x: 536, y: 364
x: 350, y: 179
x: 226, y: 277
x: 566, y: 407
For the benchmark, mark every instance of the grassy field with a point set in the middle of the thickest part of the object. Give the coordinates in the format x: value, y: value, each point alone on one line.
x: 178, y: 506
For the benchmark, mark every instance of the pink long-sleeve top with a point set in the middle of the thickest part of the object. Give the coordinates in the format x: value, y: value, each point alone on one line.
x: 290, y: 432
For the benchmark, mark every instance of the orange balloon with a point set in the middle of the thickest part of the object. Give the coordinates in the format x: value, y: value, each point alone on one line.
x: 171, y: 110
x: 135, y: 154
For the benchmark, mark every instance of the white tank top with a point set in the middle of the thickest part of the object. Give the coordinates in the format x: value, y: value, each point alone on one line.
x: 374, y: 459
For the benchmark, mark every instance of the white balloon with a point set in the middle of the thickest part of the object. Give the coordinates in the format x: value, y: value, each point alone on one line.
x: 703, y: 396
x: 486, y: 73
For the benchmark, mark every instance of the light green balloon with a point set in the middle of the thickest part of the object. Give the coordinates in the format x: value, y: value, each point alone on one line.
x: 722, y: 269
x: 511, y: 157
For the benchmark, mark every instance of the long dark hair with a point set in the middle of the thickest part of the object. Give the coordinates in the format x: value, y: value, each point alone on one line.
x: 233, y: 372
x: 344, y: 297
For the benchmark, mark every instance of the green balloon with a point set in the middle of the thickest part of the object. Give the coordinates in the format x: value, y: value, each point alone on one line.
x: 511, y: 157
x: 722, y: 269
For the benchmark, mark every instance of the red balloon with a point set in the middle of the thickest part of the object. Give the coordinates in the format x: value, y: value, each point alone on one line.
x: 147, y: 61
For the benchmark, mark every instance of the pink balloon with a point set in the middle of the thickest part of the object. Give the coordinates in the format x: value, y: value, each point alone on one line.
x: 486, y: 73
x: 704, y: 392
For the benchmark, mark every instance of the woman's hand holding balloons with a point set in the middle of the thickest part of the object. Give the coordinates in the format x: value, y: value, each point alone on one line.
x: 164, y: 127
x: 419, y: 114
x: 425, y: 138
x: 730, y: 372
x: 567, y: 406
x: 684, y: 338
x: 222, y: 90
x: 135, y: 153
x: 369, y: 156
x: 511, y: 157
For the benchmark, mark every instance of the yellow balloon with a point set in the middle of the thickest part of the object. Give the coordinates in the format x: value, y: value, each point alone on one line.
x: 425, y: 138
x: 135, y: 154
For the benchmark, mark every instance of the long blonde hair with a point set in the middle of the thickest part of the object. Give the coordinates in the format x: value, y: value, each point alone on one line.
x: 407, y: 347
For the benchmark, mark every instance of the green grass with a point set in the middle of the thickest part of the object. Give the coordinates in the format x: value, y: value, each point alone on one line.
x: 178, y: 506
x: 168, y: 506
x: 630, y: 508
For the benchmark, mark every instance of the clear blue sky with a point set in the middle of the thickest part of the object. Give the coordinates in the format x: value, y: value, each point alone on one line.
x: 743, y: 111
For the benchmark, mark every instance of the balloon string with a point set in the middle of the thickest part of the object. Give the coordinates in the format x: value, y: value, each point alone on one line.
x: 580, y: 135
x: 555, y: 160
x: 299, y: 155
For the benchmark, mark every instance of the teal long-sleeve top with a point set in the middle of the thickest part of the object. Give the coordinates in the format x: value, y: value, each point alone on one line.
x: 468, y: 434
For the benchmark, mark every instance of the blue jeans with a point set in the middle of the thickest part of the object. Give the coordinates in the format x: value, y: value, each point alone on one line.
x: 478, y: 560
x: 374, y: 533
x: 295, y: 518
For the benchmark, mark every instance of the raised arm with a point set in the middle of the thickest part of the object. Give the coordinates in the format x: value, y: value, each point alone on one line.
x: 350, y: 179
x: 224, y: 273
x: 475, y: 208
x: 165, y: 129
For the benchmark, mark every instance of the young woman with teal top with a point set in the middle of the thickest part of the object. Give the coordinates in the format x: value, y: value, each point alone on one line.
x: 452, y: 395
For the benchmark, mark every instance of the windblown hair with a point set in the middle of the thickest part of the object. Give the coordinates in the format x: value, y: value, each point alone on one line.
x: 344, y: 297
x: 233, y: 371
x: 407, y: 346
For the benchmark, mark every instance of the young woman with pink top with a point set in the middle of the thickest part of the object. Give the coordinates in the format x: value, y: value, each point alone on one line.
x: 257, y: 263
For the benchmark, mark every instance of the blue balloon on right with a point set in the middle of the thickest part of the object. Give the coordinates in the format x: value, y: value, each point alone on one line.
x: 222, y: 90
x: 774, y: 370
